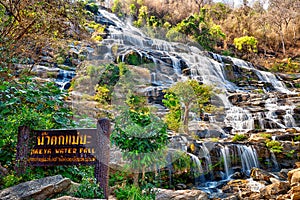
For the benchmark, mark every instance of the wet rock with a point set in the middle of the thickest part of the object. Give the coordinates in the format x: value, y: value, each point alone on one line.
x: 41, y: 189
x: 210, y: 134
x: 238, y: 175
x: 261, y: 175
x: 164, y: 194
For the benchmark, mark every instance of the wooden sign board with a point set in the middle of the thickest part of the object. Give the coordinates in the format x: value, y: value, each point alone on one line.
x: 63, y: 147
x: 66, y: 147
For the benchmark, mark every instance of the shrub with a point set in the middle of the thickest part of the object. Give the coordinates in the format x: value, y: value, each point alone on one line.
x: 239, y: 137
x: 297, y: 138
x: 265, y: 135
x: 89, y: 189
x: 133, y: 193
x: 274, y: 146
x: 246, y: 43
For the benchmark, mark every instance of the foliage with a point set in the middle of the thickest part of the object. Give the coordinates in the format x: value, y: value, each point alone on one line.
x: 142, y: 17
x: 118, y: 177
x: 172, y: 118
x: 28, y: 27
x: 92, y: 7
x: 265, y: 135
x: 239, y: 137
x: 288, y: 66
x: 107, y: 80
x: 297, y: 138
x: 24, y: 101
x: 182, y: 162
x: 140, y: 135
x: 188, y: 93
x: 198, y: 27
x: 102, y: 94
x: 132, y: 192
x: 89, y: 189
x: 274, y: 146
x: 117, y: 8
x: 246, y: 43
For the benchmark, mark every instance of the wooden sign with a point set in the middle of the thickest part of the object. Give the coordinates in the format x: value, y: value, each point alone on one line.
x: 66, y: 147
x: 63, y: 147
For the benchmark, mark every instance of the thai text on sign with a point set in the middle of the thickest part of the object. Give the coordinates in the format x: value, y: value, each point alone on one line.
x: 63, y: 147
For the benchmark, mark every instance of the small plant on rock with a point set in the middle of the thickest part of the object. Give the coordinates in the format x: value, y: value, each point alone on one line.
x: 239, y: 137
x: 274, y: 146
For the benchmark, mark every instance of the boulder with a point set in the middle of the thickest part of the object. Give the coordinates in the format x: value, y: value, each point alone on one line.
x: 164, y: 194
x: 40, y: 189
x: 295, y: 192
x: 273, y: 190
x: 261, y: 175
x: 294, y: 177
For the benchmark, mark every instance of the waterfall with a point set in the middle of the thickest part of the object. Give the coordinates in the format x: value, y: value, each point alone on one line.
x: 240, y: 119
x: 248, y: 157
x: 197, y: 169
x: 225, y: 158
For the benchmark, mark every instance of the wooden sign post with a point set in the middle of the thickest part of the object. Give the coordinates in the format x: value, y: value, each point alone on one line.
x: 67, y: 147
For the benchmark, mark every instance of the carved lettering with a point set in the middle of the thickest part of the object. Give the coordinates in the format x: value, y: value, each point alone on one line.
x: 61, y: 140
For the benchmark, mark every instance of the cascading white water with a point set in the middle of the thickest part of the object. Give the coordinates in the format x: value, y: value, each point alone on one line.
x: 225, y: 158
x: 248, y: 157
x: 240, y: 119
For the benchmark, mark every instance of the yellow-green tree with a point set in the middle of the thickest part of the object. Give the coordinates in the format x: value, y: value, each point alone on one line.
x: 190, y: 93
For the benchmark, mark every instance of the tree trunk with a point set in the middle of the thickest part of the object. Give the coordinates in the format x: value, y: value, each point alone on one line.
x: 186, y: 118
x: 136, y: 179
x: 282, y: 41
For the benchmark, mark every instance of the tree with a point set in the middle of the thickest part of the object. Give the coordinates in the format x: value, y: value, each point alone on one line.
x: 191, y: 92
x: 140, y: 135
x: 281, y: 14
x: 246, y: 44
x: 28, y: 27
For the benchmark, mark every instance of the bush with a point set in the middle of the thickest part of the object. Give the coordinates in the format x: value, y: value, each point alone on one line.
x: 89, y: 189
x: 274, y: 146
x: 133, y: 193
x: 239, y: 137
x: 246, y: 43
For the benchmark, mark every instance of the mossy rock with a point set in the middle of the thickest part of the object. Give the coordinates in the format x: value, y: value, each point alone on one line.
x: 134, y: 58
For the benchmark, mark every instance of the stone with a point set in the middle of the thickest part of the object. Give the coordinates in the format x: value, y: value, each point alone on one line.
x: 181, y: 186
x: 273, y: 190
x: 256, y: 138
x: 274, y: 180
x: 295, y: 193
x: 294, y: 176
x: 238, y: 175
x: 261, y: 175
x: 40, y: 189
x: 164, y: 194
